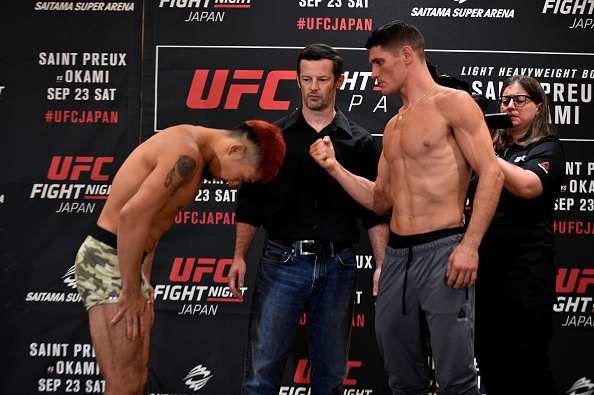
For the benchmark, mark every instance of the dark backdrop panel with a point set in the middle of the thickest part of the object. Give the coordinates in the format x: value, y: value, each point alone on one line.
x: 69, y: 115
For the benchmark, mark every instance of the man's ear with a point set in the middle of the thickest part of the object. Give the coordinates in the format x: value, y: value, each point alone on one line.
x: 340, y: 81
x: 236, y: 150
x: 407, y: 53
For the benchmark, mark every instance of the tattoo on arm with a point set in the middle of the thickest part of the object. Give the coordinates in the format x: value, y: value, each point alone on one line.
x: 180, y: 172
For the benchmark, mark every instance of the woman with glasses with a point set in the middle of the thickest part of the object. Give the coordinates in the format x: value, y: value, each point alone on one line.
x: 515, y: 287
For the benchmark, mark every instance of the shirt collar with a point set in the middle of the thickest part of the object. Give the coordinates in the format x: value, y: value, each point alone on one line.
x: 340, y: 121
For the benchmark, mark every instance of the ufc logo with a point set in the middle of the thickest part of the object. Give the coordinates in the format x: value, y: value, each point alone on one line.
x: 183, y: 268
x: 64, y: 170
x: 236, y: 90
x: 568, y: 285
x: 302, y: 374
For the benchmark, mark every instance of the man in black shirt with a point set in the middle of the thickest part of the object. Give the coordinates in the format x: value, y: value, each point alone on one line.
x: 308, y: 263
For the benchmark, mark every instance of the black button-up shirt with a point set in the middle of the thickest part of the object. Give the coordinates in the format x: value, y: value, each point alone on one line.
x: 303, y: 201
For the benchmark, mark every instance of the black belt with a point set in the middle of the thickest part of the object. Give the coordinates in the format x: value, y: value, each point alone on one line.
x: 312, y: 247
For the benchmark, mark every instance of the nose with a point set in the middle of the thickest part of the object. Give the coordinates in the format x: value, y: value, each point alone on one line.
x: 314, y: 85
x: 374, y: 71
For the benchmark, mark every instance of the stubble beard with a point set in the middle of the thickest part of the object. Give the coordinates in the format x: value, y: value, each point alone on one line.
x: 316, y: 105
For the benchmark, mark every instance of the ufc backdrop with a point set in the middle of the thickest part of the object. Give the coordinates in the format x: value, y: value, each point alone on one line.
x: 83, y: 83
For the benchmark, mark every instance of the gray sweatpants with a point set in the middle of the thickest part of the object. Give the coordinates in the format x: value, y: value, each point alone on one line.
x: 414, y: 301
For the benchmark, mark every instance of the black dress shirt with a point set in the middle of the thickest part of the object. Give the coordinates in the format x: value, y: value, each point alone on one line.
x: 303, y: 202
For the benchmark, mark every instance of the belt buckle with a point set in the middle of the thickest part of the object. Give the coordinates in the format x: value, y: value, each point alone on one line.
x: 301, y: 242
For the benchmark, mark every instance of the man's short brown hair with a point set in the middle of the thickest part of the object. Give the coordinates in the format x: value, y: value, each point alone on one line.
x: 393, y: 35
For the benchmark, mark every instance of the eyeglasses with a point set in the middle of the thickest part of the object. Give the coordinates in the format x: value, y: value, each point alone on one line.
x: 519, y: 100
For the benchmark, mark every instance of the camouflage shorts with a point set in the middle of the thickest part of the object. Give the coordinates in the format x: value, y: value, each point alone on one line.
x: 98, y: 273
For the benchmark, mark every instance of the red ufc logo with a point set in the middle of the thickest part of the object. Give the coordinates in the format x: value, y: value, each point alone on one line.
x: 568, y: 285
x: 82, y: 164
x: 236, y: 90
x: 304, y: 369
x: 183, y: 268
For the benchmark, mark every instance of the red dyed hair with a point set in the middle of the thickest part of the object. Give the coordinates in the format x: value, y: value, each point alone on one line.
x: 273, y: 148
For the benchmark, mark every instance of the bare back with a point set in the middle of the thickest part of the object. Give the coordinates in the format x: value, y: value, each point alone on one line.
x: 143, y: 183
x: 429, y: 173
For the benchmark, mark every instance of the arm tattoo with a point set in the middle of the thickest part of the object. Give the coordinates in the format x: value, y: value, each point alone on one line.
x: 181, y: 170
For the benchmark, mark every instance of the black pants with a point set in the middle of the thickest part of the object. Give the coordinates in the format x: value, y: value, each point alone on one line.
x: 514, y: 325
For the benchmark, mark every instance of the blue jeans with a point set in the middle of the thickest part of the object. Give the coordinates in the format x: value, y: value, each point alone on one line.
x: 287, y: 286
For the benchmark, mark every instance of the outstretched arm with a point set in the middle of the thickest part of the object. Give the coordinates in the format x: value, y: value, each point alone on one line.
x: 374, y: 196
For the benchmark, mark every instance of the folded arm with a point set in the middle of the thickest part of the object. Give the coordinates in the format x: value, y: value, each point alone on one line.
x: 373, y: 195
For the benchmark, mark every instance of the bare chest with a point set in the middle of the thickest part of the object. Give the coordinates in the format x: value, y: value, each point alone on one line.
x: 415, y: 141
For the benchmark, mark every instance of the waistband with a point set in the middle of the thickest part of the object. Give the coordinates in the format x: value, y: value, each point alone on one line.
x: 111, y: 239
x: 398, y: 241
x: 105, y: 236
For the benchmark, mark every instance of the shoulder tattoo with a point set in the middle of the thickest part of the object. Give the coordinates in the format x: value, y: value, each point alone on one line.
x: 182, y: 169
